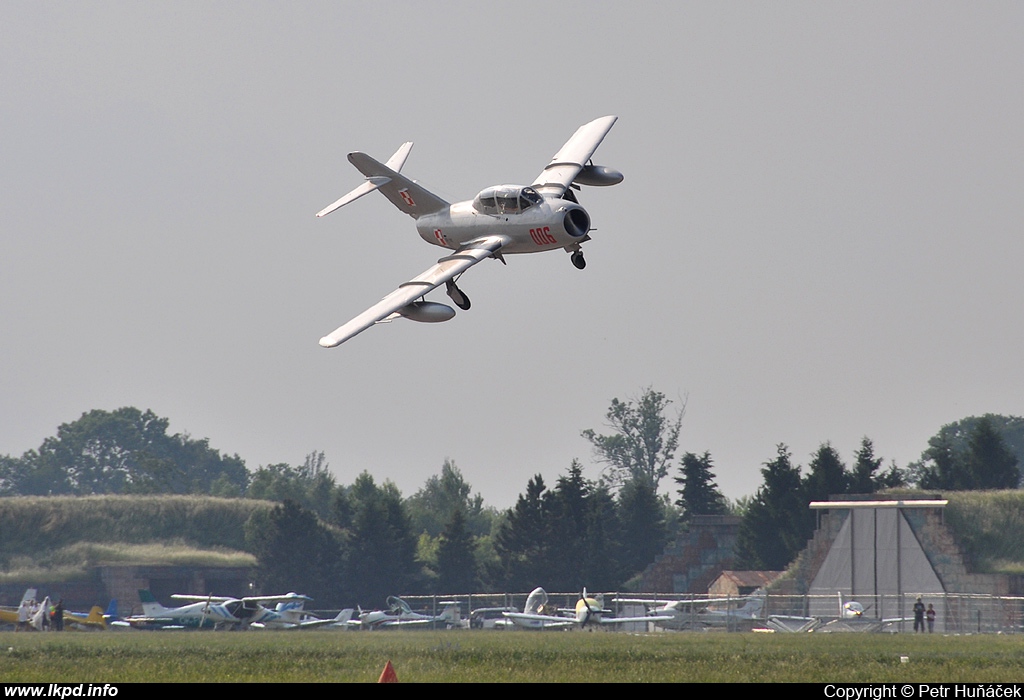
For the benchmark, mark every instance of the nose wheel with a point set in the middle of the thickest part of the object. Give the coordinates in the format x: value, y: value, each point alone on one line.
x: 577, y: 260
x: 457, y: 295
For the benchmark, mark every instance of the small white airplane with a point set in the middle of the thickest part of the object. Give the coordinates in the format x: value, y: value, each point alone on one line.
x: 700, y: 613
x: 588, y: 611
x: 850, y: 619
x: 209, y: 612
x: 291, y: 615
x: 401, y: 615
x: 501, y: 220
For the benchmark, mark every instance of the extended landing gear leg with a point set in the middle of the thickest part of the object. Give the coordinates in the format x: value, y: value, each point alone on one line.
x: 457, y: 295
x: 577, y: 260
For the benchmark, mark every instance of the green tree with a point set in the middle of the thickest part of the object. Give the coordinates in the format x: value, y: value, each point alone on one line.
x: 644, y: 440
x: 382, y: 551
x: 567, y: 521
x: 456, y: 562
x: 698, y: 492
x: 311, y: 485
x: 990, y: 462
x: 522, y: 541
x: 601, y: 547
x: 431, y: 507
x: 865, y: 477
x: 827, y: 474
x: 121, y: 451
x: 774, y: 528
x: 951, y: 459
x: 296, y: 552
x: 642, y: 531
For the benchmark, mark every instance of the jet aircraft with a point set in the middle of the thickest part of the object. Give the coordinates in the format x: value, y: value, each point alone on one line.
x: 501, y: 220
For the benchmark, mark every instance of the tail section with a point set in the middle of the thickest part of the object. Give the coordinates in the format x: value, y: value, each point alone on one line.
x: 150, y: 606
x: 452, y: 613
x: 96, y: 618
x: 406, y: 195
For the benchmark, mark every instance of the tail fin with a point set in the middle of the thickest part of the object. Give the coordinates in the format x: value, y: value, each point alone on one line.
x: 451, y: 613
x: 409, y: 197
x: 150, y: 606
x: 96, y: 618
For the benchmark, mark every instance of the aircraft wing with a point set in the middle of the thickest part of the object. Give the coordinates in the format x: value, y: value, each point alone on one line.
x: 286, y: 598
x: 570, y: 159
x: 545, y: 620
x: 407, y: 623
x: 202, y: 598
x: 447, y: 268
x: 648, y: 618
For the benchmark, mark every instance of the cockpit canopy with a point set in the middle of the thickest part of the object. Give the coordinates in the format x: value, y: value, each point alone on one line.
x: 506, y: 199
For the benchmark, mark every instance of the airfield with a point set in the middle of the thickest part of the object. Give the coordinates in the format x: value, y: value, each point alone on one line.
x: 510, y: 656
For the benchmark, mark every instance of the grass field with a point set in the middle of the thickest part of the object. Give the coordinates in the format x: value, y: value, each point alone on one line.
x: 485, y: 656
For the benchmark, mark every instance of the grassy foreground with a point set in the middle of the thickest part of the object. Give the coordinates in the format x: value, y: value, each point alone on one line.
x: 486, y: 656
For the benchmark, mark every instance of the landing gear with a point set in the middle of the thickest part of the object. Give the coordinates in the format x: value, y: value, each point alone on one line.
x: 577, y: 260
x: 457, y: 295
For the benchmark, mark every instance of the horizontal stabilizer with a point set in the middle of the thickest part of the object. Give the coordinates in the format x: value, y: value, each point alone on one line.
x: 395, y: 163
x: 369, y: 186
x: 408, y: 196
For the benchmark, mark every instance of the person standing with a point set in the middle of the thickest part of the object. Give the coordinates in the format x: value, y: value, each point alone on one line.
x: 24, y: 615
x: 930, y: 616
x: 919, y: 615
x: 58, y: 616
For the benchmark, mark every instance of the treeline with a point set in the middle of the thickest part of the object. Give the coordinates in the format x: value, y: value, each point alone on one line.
x: 372, y: 542
x: 971, y: 454
x: 354, y: 544
x: 126, y: 451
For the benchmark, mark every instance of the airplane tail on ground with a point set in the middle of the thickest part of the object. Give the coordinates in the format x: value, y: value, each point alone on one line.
x: 344, y: 617
x: 451, y: 612
x: 409, y: 197
x: 150, y: 606
x: 96, y: 618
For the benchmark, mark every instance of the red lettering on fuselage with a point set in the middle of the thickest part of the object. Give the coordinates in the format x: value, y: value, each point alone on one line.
x: 542, y: 236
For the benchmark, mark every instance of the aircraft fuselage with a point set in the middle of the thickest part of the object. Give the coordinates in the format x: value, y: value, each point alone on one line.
x: 553, y: 223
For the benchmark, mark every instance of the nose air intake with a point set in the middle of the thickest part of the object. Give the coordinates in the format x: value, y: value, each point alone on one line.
x: 576, y: 222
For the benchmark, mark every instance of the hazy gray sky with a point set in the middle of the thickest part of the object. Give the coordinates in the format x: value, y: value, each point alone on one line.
x: 819, y: 236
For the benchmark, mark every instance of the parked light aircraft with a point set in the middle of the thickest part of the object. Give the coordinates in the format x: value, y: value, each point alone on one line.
x: 9, y: 616
x: 699, y: 613
x: 500, y: 220
x: 588, y: 611
x: 95, y: 619
x: 401, y: 615
x: 92, y: 620
x: 851, y: 618
x: 208, y: 611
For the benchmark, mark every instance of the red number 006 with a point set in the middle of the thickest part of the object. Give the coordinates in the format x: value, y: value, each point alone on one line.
x: 542, y: 236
